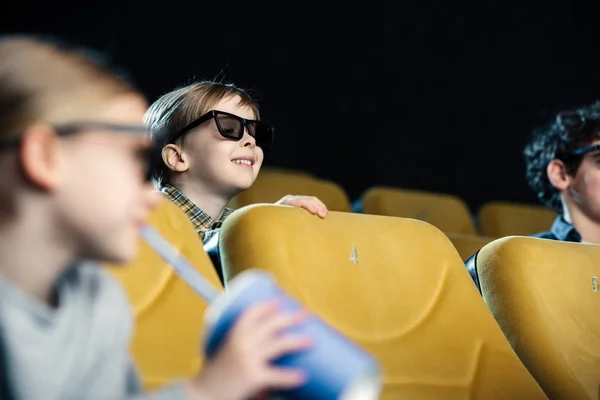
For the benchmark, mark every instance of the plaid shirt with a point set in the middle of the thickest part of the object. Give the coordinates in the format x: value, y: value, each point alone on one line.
x: 203, y: 223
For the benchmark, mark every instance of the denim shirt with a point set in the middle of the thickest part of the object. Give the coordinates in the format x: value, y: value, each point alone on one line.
x: 560, y: 230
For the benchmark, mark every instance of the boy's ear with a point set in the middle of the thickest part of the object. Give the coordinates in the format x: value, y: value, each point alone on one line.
x: 174, y: 158
x: 557, y: 175
x: 40, y: 156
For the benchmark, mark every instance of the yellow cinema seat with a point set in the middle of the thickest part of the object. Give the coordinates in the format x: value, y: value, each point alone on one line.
x: 169, y: 324
x: 396, y: 286
x: 467, y: 245
x: 446, y: 212
x: 546, y: 298
x: 501, y: 219
x: 270, y: 186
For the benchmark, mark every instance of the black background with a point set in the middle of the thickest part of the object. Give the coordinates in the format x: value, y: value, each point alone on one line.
x: 433, y: 95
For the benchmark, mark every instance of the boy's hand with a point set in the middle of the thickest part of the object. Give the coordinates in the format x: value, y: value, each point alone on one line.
x: 309, y: 203
x: 242, y: 368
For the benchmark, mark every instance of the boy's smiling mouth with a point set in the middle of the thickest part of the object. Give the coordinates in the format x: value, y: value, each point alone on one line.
x: 243, y: 161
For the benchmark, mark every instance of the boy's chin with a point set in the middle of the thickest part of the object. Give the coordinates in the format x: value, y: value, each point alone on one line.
x: 240, y: 185
x: 120, y: 254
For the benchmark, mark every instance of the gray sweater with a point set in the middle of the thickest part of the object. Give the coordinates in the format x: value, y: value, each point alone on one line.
x: 77, y: 351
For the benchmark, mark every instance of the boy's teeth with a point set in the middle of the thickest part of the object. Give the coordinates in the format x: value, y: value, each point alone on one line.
x: 247, y: 162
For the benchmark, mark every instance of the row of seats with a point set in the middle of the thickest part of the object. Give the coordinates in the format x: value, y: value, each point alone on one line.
x: 399, y: 288
x: 451, y: 214
x: 447, y: 212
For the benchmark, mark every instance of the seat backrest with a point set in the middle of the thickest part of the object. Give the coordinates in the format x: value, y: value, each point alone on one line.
x: 446, y: 212
x: 169, y: 324
x: 270, y: 186
x: 395, y: 286
x: 467, y: 245
x: 545, y: 296
x: 499, y: 219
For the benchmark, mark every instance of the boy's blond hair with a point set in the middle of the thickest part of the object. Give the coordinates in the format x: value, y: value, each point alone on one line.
x: 45, y: 81
x: 175, y: 110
